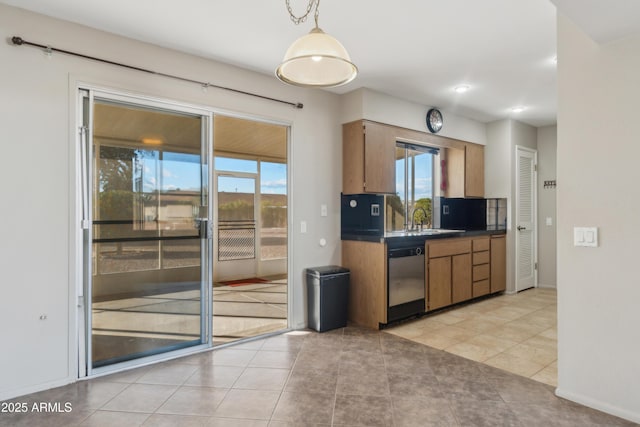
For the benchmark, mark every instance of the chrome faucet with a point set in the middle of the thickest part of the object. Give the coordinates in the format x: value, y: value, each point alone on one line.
x: 414, y: 214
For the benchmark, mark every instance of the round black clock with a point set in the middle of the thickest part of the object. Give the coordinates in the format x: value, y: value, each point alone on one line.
x: 434, y: 120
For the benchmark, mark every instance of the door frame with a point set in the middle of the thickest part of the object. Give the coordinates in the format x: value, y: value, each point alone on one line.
x: 534, y: 216
x: 80, y: 222
x: 256, y: 216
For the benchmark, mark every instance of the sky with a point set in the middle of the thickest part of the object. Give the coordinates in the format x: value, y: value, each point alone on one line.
x: 182, y: 171
x: 423, y: 176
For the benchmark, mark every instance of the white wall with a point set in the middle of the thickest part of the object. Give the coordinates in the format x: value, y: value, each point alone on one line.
x: 547, y: 142
x: 499, y: 155
x: 368, y: 104
x: 39, y: 219
x: 598, y: 176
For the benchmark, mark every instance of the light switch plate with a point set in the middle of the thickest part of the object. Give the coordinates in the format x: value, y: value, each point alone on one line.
x: 585, y: 236
x: 323, y: 210
x: 549, y: 220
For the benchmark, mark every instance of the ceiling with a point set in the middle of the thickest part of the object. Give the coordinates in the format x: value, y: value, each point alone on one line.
x: 117, y: 124
x: 417, y: 50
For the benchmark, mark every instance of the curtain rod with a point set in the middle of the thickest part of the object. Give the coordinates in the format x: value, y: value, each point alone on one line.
x: 19, y: 41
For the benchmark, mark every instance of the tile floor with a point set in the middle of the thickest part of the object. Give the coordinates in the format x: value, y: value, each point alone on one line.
x: 517, y: 333
x: 344, y: 377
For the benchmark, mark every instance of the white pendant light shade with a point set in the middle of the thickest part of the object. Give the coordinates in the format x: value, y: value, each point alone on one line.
x: 316, y: 60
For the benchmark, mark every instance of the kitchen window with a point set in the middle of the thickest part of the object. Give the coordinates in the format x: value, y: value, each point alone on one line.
x: 417, y: 170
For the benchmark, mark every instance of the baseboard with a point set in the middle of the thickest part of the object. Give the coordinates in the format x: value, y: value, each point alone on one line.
x: 598, y: 405
x: 10, y: 394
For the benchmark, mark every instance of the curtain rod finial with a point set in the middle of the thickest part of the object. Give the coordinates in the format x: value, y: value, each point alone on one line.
x: 17, y: 40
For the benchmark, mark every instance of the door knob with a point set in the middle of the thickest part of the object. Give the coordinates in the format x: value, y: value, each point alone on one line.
x: 520, y: 228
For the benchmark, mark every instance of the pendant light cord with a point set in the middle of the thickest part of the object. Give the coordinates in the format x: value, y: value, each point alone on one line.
x: 19, y: 41
x: 300, y: 19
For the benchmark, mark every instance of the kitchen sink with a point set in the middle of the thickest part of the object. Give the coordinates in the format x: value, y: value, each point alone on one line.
x: 425, y: 232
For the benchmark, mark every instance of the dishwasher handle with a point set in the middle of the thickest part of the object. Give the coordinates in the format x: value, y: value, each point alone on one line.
x: 405, y: 252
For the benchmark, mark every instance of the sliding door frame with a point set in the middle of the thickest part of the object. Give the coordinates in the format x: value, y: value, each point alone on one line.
x: 79, y: 361
x: 86, y: 95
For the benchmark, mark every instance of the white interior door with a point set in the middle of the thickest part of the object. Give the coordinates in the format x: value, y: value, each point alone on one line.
x: 526, y: 253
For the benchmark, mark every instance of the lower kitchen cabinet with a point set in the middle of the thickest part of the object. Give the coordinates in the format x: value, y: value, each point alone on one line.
x: 498, y: 263
x: 460, y: 269
x: 367, y: 263
x: 439, y: 282
x: 457, y: 269
x: 481, y: 266
x: 461, y: 278
x: 448, y: 272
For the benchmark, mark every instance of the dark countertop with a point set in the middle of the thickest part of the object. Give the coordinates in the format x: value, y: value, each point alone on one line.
x: 413, y: 238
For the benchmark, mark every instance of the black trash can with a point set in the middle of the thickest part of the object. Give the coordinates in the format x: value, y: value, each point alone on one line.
x: 328, y: 297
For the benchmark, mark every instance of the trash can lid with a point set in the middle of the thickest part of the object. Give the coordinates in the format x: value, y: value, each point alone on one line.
x: 327, y: 270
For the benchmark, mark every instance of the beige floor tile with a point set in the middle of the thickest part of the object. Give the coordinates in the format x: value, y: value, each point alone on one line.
x: 451, y: 317
x: 540, y: 341
x: 472, y: 351
x: 548, y: 375
x: 551, y: 333
x: 436, y: 341
x: 454, y: 332
x: 543, y: 356
x: 479, y: 325
x: 492, y: 342
x: 514, y: 364
x: 510, y: 313
x: 517, y: 333
x: 525, y: 325
x: 512, y: 333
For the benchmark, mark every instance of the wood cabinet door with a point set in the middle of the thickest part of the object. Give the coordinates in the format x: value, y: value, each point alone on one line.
x: 379, y: 159
x: 353, y: 158
x: 461, y: 278
x: 498, y: 264
x: 439, y: 282
x: 474, y: 171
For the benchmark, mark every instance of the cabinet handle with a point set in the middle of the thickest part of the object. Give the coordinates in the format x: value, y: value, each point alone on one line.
x: 520, y: 228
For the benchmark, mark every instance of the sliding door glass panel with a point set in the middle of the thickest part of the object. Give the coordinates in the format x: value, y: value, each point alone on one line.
x: 147, y: 251
x: 273, y: 210
x: 250, y: 272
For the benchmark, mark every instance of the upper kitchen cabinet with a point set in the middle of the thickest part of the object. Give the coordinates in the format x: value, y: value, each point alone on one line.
x: 465, y: 171
x: 368, y: 158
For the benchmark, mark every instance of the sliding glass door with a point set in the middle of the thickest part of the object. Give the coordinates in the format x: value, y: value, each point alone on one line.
x: 147, y: 228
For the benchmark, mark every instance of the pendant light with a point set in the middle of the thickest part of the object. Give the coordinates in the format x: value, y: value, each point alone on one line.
x: 315, y: 59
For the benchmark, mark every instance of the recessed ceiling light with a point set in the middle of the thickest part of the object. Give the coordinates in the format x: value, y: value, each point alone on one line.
x: 461, y: 88
x: 517, y: 109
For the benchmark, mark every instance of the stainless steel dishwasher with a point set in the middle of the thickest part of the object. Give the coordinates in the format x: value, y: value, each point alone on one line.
x: 406, y: 286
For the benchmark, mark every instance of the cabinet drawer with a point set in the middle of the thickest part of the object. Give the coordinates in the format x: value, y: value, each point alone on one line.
x: 480, y: 272
x: 481, y: 244
x: 481, y: 288
x: 448, y: 248
x: 481, y: 257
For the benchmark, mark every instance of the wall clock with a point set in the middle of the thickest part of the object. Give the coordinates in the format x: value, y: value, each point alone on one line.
x: 434, y: 120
